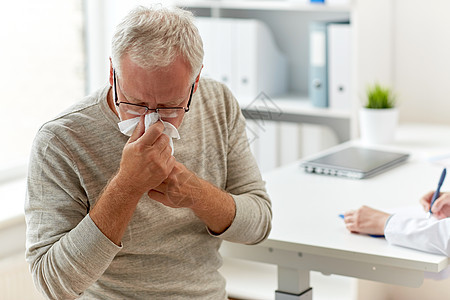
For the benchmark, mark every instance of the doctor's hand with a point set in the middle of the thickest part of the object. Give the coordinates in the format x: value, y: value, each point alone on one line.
x: 146, y: 159
x: 180, y: 189
x: 366, y: 220
x: 441, y: 207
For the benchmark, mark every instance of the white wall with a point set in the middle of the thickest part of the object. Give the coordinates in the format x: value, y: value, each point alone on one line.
x: 422, y: 60
x: 406, y: 44
x: 374, y: 43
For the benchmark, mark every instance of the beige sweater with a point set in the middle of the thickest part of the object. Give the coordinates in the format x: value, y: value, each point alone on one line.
x: 166, y: 253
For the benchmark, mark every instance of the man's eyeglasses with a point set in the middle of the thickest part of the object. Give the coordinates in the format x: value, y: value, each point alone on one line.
x: 140, y: 110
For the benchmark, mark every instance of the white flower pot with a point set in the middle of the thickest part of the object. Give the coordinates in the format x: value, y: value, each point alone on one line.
x: 377, y: 126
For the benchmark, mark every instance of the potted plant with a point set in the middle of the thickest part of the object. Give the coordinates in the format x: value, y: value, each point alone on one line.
x: 378, y: 117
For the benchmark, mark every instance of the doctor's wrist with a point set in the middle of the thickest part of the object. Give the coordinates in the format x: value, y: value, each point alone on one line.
x: 386, y: 222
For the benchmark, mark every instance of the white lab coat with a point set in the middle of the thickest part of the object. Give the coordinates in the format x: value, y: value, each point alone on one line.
x: 420, y: 233
x: 429, y: 235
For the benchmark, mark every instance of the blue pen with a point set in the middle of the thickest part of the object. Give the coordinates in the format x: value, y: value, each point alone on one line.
x: 438, y: 190
x: 372, y: 235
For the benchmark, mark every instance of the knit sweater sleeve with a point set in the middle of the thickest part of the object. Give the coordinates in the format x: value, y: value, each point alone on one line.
x: 66, y: 251
x: 252, y: 222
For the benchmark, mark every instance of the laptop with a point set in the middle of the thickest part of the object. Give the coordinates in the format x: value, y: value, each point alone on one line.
x: 354, y: 162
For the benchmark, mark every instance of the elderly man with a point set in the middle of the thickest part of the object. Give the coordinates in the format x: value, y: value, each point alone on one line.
x: 113, y: 216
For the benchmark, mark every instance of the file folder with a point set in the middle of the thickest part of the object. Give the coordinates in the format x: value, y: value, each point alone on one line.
x: 260, y: 65
x: 318, y: 78
x: 206, y: 30
x: 319, y: 84
x: 223, y: 41
x: 243, y: 54
x: 246, y: 37
x: 339, y: 65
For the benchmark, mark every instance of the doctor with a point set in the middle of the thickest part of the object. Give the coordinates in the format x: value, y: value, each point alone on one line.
x: 429, y: 235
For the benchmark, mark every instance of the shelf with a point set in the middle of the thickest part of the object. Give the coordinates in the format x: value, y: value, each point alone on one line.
x: 282, y: 5
x: 297, y: 104
x: 297, y: 109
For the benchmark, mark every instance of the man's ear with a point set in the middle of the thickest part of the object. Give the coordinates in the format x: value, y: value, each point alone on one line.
x: 197, y: 79
x: 111, y: 78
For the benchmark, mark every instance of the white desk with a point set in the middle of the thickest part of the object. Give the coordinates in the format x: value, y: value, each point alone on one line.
x: 308, y: 235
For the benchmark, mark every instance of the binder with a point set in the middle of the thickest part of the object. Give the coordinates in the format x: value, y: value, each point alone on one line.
x: 318, y: 62
x: 339, y: 65
x: 243, y: 54
x: 206, y: 30
x: 260, y: 66
x: 223, y: 52
x: 318, y: 78
x: 245, y: 33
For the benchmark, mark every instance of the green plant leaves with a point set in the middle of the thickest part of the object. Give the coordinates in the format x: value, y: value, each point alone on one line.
x: 379, y: 97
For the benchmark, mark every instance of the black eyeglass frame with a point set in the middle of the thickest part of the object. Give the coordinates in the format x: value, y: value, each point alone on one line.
x: 117, y: 102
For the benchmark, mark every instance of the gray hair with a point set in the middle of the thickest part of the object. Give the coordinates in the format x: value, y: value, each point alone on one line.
x: 154, y: 36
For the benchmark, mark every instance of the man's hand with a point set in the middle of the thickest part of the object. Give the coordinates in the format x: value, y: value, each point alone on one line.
x: 366, y: 220
x: 182, y: 188
x: 146, y: 162
x: 146, y: 159
x: 441, y: 207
